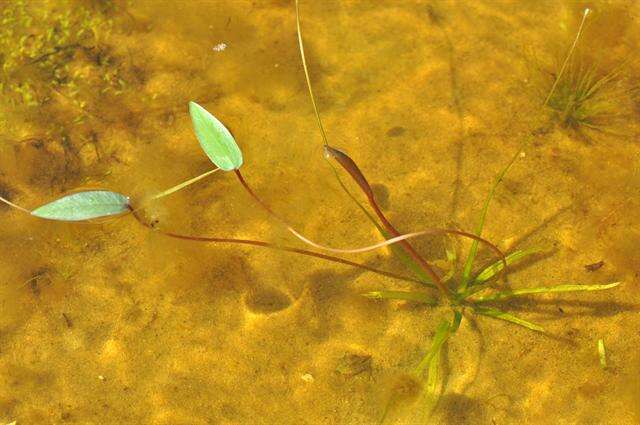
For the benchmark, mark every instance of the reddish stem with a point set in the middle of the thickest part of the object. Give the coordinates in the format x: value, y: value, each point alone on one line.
x: 352, y: 168
x: 276, y: 247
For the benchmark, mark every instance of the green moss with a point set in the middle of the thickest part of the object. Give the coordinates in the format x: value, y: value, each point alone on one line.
x: 48, y: 48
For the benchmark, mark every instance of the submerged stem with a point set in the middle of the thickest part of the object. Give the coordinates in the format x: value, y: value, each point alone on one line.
x: 275, y: 247
x: 12, y: 205
x: 397, y: 239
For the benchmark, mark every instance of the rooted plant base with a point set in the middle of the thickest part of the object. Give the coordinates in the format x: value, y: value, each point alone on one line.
x: 113, y: 323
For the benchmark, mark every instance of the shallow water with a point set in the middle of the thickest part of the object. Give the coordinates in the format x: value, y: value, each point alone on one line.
x: 111, y: 322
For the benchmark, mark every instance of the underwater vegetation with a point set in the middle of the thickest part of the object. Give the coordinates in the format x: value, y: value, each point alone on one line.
x: 473, y: 289
x: 38, y: 65
x: 587, y: 97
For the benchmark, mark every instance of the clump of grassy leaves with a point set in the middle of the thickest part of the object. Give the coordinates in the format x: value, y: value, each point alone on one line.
x: 588, y: 98
x: 472, y: 294
x: 464, y: 291
x: 584, y: 96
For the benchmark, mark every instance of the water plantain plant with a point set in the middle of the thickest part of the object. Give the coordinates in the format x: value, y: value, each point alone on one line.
x: 463, y: 292
x: 466, y: 292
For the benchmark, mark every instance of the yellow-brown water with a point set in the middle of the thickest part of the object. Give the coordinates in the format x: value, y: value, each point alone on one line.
x: 112, y: 323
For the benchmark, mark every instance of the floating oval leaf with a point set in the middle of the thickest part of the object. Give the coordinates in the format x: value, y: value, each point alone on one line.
x: 84, y: 206
x: 216, y: 141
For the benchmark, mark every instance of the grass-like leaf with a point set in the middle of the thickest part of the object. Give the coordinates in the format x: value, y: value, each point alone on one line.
x: 491, y: 271
x: 468, y: 265
x: 432, y: 389
x: 431, y: 361
x: 215, y: 139
x: 84, y: 206
x: 420, y: 297
x: 497, y: 296
x: 441, y: 335
x: 498, y: 314
x: 602, y: 353
x: 457, y: 318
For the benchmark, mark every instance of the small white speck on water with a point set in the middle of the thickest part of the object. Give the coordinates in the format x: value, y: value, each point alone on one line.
x: 219, y: 47
x: 307, y: 377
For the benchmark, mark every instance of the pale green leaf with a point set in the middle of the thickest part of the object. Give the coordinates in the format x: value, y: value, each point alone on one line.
x: 84, y: 206
x: 497, y: 296
x: 498, y: 314
x: 215, y: 139
x: 441, y: 335
x: 602, y: 353
x: 495, y: 268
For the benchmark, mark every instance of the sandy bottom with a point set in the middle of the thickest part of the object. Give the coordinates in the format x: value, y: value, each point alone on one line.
x: 112, y: 323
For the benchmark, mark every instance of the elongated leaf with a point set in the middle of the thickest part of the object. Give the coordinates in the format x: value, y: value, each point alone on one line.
x: 602, y: 353
x: 433, y: 375
x: 495, y: 268
x: 457, y: 318
x: 468, y: 265
x: 420, y: 297
x: 441, y: 335
x: 498, y: 314
x: 431, y: 362
x: 543, y: 290
x: 395, y: 248
x: 84, y: 206
x: 216, y: 141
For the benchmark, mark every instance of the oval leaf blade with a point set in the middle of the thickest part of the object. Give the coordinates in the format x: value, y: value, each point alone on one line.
x: 215, y: 139
x: 84, y: 206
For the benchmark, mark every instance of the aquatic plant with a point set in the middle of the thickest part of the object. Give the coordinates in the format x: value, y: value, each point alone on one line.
x: 464, y: 292
x: 584, y: 96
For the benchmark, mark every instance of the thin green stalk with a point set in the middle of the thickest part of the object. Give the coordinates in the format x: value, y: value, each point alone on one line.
x: 182, y: 185
x: 306, y: 75
x: 566, y: 61
x: 12, y: 205
x: 423, y: 264
x: 466, y: 273
x: 602, y: 353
